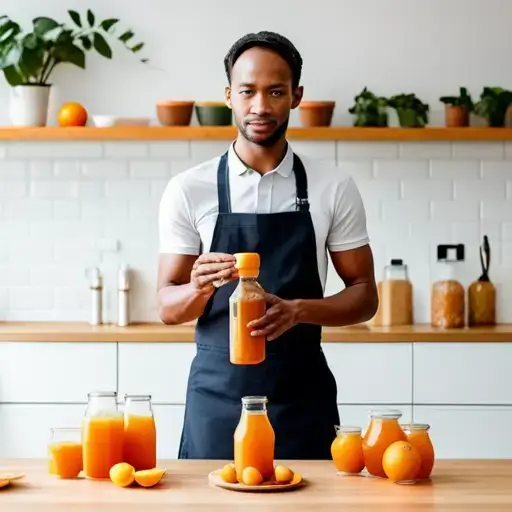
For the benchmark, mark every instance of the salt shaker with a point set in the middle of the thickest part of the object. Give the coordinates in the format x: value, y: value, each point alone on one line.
x: 123, y: 288
x: 93, y: 274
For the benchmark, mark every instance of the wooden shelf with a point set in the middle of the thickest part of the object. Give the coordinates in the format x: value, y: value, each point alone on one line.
x: 159, y: 333
x: 341, y: 133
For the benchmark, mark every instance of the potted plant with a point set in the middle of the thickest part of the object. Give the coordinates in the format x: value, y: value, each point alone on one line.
x: 493, y: 105
x: 316, y: 113
x: 369, y: 109
x: 457, y: 108
x: 28, y: 59
x: 411, y: 111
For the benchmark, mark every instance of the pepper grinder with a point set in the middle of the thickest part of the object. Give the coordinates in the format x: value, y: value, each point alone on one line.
x: 93, y: 274
x: 123, y: 304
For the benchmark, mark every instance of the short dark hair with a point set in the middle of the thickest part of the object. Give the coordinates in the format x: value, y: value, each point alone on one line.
x: 272, y: 41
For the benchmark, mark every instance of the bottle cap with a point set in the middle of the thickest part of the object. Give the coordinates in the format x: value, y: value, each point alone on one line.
x: 248, y: 263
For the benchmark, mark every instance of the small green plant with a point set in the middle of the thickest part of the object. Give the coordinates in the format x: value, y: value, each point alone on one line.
x: 493, y: 105
x: 369, y: 109
x: 30, y: 58
x: 462, y: 100
x: 411, y: 111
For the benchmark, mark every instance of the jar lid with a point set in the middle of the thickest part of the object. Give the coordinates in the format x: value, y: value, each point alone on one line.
x: 391, y: 414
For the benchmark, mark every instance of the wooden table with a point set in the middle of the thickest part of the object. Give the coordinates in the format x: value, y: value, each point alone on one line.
x: 463, y: 485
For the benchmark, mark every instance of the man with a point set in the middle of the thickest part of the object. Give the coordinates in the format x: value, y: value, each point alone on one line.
x: 260, y: 197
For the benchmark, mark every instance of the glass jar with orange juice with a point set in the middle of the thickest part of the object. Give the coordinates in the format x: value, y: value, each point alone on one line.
x: 382, y: 431
x: 102, y: 434
x: 254, y: 438
x: 65, y: 452
x: 139, y: 432
x: 347, y: 450
x: 246, y: 303
x: 418, y: 435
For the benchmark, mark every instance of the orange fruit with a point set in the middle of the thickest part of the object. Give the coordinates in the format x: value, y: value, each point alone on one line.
x: 149, y: 477
x: 122, y: 474
x: 228, y: 474
x: 283, y: 474
x: 347, y: 451
x: 401, y: 461
x: 251, y: 476
x: 72, y: 114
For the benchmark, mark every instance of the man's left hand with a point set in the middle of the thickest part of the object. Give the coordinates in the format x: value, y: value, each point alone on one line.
x: 281, y: 316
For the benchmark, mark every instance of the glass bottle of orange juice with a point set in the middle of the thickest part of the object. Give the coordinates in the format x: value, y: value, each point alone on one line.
x: 246, y: 303
x: 382, y: 431
x: 418, y: 435
x: 139, y: 432
x: 65, y: 452
x: 254, y: 438
x: 102, y: 434
x: 347, y: 450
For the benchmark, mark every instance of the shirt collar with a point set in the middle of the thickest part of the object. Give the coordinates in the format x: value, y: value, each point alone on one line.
x: 284, y: 168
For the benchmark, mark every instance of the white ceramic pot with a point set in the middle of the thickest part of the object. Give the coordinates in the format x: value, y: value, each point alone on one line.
x: 28, y: 105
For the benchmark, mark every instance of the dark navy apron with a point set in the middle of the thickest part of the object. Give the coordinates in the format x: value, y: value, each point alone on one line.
x: 295, y: 377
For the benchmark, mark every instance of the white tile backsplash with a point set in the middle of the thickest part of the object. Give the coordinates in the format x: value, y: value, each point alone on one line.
x: 61, y: 204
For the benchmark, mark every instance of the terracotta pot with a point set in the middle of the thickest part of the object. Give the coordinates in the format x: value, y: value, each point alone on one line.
x: 213, y: 113
x: 456, y: 116
x: 174, y: 113
x: 316, y: 113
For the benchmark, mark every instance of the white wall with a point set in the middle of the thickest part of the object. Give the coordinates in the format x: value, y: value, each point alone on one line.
x: 61, y: 203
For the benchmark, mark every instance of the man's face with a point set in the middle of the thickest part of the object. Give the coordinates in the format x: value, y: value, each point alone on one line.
x: 261, y: 95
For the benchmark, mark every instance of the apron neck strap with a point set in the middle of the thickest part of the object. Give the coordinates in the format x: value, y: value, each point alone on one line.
x: 301, y: 185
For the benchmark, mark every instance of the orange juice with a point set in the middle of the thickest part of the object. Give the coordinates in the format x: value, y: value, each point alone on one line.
x: 417, y: 435
x: 254, y: 439
x: 247, y: 303
x: 347, y: 450
x: 66, y: 459
x: 383, y: 430
x: 103, y: 441
x: 140, y: 442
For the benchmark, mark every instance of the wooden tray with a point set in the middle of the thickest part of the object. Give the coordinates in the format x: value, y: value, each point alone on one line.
x: 215, y: 480
x: 6, y: 478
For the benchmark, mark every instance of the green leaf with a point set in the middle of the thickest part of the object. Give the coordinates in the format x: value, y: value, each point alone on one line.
x: 10, y: 55
x: 12, y: 76
x: 8, y: 30
x: 31, y: 62
x: 101, y: 45
x: 43, y: 25
x: 75, y: 17
x: 74, y: 55
x: 65, y: 37
x: 30, y: 41
x: 126, y: 36
x: 138, y: 47
x: 90, y: 18
x: 107, y: 24
x: 86, y: 42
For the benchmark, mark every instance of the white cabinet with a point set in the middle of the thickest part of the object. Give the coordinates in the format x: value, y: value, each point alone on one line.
x: 468, y: 432
x: 462, y: 373
x: 169, y: 422
x: 55, y: 372
x: 371, y: 373
x: 158, y: 369
x: 25, y: 429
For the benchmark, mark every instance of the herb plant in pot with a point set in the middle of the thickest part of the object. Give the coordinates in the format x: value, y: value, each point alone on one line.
x: 493, y: 105
x: 411, y: 111
x: 28, y: 59
x: 457, y: 108
x: 369, y: 109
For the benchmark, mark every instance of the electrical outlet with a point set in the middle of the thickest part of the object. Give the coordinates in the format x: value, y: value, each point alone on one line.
x: 450, y: 252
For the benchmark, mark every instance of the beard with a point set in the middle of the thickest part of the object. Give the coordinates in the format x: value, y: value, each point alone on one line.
x: 267, y: 141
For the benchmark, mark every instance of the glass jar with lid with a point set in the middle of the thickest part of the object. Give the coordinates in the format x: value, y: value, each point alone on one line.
x: 65, y: 452
x: 347, y: 450
x: 102, y: 434
x: 418, y: 435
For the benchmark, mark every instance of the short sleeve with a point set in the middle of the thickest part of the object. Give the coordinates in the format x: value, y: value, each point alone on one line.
x: 348, y: 227
x: 177, y: 231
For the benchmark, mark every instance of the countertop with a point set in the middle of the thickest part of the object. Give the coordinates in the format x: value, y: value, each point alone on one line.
x: 157, y: 332
x: 458, y: 485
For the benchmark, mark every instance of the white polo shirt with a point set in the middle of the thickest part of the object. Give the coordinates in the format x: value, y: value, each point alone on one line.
x: 189, y: 204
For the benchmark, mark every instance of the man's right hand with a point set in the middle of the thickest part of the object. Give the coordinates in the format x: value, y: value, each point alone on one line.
x: 212, y: 270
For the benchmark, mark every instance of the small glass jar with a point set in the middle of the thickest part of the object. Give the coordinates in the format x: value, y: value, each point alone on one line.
x: 139, y: 432
x: 382, y: 431
x: 65, y: 452
x: 102, y: 434
x: 347, y: 450
x: 254, y: 438
x: 418, y: 435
